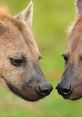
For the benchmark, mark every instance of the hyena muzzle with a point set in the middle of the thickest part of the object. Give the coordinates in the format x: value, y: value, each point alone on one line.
x: 70, y: 86
x: 19, y: 56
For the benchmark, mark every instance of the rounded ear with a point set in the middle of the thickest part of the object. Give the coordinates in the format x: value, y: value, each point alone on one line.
x: 26, y: 15
x: 79, y: 6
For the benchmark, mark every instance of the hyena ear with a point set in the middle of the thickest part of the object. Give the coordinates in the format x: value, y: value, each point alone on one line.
x: 79, y: 6
x: 26, y: 15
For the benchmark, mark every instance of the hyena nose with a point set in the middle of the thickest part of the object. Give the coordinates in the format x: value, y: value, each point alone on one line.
x: 63, y: 90
x: 45, y: 89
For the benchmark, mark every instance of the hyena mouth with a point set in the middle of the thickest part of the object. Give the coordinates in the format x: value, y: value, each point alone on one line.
x: 15, y: 91
x: 70, y: 96
x: 65, y: 95
x: 24, y: 95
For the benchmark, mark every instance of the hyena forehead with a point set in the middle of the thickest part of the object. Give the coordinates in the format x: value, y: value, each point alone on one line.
x: 17, y: 31
x: 75, y: 36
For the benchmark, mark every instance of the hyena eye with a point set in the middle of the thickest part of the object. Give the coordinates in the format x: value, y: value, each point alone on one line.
x: 18, y: 62
x: 65, y: 58
x: 80, y: 58
x: 40, y: 57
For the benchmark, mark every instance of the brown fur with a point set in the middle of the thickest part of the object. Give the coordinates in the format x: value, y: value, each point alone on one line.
x: 7, y: 22
x: 70, y: 86
x: 17, y: 44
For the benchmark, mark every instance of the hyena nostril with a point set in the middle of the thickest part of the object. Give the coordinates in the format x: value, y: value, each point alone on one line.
x: 67, y: 91
x: 45, y: 89
x: 63, y: 90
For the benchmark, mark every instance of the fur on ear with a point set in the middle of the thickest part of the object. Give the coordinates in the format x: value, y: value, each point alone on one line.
x: 3, y: 27
x: 79, y: 6
x: 26, y: 15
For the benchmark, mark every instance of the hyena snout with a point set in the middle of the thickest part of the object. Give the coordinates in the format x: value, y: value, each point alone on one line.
x: 36, y: 87
x: 43, y: 87
x: 64, y: 88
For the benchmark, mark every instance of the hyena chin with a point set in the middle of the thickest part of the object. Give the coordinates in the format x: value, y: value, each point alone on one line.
x: 70, y: 87
x: 19, y: 56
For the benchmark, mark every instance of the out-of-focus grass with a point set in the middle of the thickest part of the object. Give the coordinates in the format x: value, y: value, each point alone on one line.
x: 51, y: 18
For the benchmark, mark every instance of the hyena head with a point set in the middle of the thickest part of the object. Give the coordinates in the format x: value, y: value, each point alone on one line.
x: 70, y: 86
x: 19, y: 57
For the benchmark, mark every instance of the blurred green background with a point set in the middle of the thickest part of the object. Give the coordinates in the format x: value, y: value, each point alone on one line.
x: 50, y: 21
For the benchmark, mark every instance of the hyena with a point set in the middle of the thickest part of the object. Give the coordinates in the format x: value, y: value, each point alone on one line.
x: 70, y: 86
x: 19, y: 56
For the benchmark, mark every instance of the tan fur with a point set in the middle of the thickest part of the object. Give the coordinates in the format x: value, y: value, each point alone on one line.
x: 9, y: 22
x: 16, y: 40
x: 19, y: 56
x: 72, y: 77
x: 4, y: 11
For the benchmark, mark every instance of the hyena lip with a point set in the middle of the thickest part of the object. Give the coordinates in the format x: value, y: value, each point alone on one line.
x: 18, y: 93
x: 73, y: 97
x: 70, y: 97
